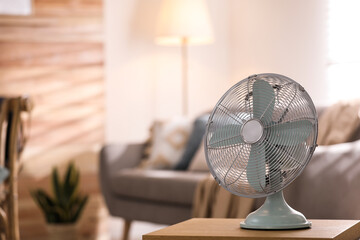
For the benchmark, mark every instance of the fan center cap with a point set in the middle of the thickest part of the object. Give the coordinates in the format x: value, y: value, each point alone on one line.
x: 252, y: 131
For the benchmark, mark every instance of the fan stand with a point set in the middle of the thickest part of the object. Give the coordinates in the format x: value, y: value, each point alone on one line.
x: 275, y: 214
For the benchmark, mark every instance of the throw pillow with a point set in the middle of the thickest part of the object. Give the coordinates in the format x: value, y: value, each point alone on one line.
x: 198, y: 163
x: 192, y: 145
x: 339, y: 123
x: 167, y: 143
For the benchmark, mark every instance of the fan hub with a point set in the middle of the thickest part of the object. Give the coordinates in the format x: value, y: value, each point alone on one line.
x: 252, y: 131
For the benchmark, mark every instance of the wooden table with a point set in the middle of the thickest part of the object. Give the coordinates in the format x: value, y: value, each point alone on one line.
x: 224, y: 229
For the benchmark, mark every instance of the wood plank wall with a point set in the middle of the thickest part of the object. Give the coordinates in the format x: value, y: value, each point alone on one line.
x: 56, y: 56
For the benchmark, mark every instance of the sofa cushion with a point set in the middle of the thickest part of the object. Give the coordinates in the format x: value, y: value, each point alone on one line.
x: 166, y: 186
x: 194, y: 141
x: 198, y: 163
x: 168, y: 142
x: 339, y: 123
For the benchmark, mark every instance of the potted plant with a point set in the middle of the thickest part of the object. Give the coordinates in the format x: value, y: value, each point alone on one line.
x: 63, y: 209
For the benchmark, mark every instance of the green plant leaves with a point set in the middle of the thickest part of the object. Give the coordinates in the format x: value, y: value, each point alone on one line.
x: 80, y: 207
x: 56, y: 186
x: 67, y: 204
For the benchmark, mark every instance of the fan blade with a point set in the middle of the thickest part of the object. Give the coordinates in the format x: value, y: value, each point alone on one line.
x: 256, y: 168
x: 287, y: 159
x: 290, y: 133
x: 264, y: 101
x: 236, y: 167
x: 226, y: 135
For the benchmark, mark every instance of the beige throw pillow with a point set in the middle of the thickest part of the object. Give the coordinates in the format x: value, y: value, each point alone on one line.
x: 168, y: 143
x: 339, y: 123
x: 198, y: 163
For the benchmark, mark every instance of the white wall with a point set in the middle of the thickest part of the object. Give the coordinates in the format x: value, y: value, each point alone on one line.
x: 143, y: 80
x: 281, y: 36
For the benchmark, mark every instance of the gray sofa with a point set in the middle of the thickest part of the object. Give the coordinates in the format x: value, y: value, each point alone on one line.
x: 159, y: 196
x: 329, y: 187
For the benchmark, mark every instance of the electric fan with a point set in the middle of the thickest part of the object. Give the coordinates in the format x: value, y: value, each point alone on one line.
x: 260, y: 136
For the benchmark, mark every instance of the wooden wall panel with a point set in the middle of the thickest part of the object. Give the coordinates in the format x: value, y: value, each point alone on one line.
x: 56, y: 55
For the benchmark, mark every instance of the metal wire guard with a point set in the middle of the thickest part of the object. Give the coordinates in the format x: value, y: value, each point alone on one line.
x: 288, y: 119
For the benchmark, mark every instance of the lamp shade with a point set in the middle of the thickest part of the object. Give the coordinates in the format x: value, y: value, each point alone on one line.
x: 181, y: 20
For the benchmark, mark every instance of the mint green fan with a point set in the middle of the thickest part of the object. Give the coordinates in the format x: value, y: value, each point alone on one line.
x: 259, y: 138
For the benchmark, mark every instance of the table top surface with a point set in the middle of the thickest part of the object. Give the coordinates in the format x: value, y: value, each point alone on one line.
x: 218, y: 228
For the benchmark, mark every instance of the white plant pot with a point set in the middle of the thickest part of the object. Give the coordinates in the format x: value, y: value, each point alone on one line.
x: 62, y: 231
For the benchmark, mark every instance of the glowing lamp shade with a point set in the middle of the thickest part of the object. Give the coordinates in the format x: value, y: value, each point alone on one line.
x: 184, y: 21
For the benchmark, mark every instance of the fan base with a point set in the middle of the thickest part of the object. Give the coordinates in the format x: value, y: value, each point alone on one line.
x: 275, y: 214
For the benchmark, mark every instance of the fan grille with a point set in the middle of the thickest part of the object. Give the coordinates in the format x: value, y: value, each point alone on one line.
x: 288, y: 139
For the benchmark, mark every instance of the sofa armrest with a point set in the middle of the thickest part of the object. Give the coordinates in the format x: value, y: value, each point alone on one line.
x: 114, y: 157
x: 329, y: 186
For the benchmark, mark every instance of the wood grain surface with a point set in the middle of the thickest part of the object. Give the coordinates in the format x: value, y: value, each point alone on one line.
x: 56, y: 55
x: 216, y: 229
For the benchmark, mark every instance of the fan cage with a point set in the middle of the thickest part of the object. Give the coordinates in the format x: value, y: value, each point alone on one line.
x: 284, y: 155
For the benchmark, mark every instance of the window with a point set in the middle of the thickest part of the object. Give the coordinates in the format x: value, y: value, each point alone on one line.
x: 344, y: 49
x: 15, y: 7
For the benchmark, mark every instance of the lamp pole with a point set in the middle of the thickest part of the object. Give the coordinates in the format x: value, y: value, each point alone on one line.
x: 185, y: 101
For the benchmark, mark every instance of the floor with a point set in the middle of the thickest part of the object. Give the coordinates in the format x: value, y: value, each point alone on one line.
x: 136, y: 231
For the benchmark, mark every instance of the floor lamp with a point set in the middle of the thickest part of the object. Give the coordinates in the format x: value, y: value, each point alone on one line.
x: 184, y: 23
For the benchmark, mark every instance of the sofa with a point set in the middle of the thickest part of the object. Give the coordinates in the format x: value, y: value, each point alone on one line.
x: 329, y: 187
x: 159, y: 196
